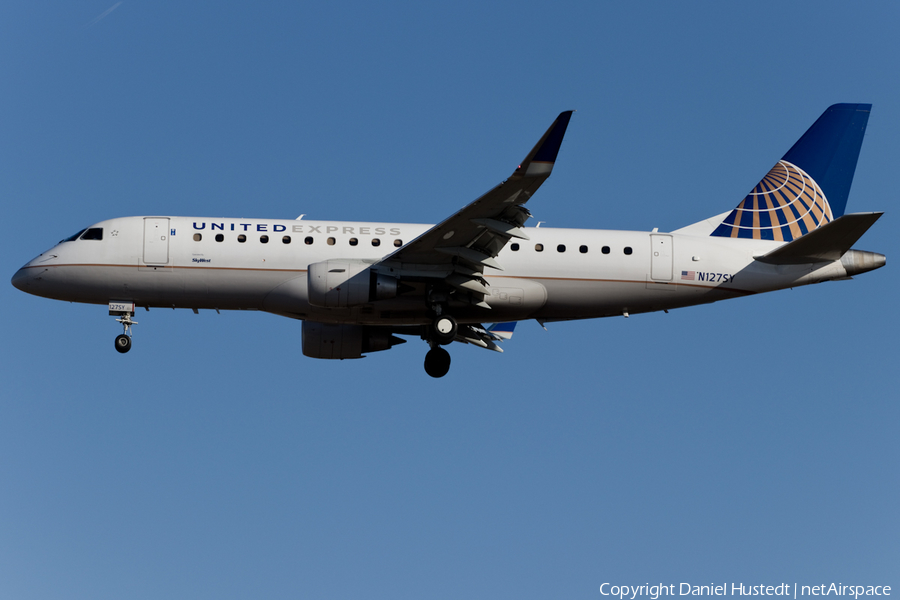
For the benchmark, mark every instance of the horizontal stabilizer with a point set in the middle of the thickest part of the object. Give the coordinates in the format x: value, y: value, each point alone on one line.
x: 827, y: 243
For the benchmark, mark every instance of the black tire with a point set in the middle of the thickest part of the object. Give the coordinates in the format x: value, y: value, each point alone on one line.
x: 443, y: 330
x: 437, y: 362
x: 123, y: 343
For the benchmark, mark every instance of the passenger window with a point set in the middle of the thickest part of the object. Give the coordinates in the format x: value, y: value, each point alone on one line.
x: 264, y: 239
x: 220, y: 237
x: 582, y: 249
x: 242, y: 238
x: 514, y: 247
x: 353, y: 241
x: 197, y: 237
x: 539, y: 247
x: 627, y: 250
x: 286, y: 239
x: 398, y: 243
x: 94, y: 233
x: 308, y: 240
x: 330, y: 241
x: 376, y: 242
x: 605, y: 249
x: 561, y: 248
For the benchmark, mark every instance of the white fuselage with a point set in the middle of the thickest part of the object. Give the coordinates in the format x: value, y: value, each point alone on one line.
x: 578, y: 274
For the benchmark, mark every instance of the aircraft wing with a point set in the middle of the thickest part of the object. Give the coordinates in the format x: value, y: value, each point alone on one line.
x: 460, y: 247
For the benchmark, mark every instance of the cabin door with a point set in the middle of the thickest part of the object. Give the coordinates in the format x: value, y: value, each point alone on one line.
x: 661, y: 257
x: 156, y: 241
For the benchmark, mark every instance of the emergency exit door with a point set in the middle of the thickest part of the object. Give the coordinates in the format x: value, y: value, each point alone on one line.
x: 156, y: 241
x: 661, y: 257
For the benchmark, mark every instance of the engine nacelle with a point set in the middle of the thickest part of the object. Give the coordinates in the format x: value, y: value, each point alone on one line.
x: 323, y: 340
x: 341, y: 283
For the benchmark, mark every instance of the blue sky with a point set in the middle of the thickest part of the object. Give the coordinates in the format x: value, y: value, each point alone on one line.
x: 746, y: 441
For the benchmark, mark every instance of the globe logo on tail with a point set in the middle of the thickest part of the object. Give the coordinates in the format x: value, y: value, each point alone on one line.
x: 785, y: 205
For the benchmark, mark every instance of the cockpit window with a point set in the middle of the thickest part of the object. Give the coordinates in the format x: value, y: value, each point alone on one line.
x: 94, y: 233
x: 72, y: 238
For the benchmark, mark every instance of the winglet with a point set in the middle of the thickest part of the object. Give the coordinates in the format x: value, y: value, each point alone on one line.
x: 539, y: 161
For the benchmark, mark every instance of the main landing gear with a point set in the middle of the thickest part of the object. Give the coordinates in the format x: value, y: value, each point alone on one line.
x: 437, y: 362
x: 123, y: 340
x: 441, y: 332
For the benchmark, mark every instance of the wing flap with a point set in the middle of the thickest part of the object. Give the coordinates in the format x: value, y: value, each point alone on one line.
x: 477, y: 335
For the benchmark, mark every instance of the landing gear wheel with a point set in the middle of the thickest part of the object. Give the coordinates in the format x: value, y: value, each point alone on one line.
x: 443, y: 330
x: 123, y: 343
x: 437, y: 362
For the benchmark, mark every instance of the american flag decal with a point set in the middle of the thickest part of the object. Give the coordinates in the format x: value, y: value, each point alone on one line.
x: 687, y: 275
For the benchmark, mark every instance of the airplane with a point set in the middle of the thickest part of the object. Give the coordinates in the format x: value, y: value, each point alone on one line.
x: 357, y: 286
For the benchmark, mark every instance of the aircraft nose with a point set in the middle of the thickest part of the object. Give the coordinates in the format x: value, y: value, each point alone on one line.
x: 20, y: 280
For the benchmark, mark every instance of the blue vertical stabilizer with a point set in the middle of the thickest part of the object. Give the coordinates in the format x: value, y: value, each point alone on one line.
x: 810, y: 184
x: 829, y: 149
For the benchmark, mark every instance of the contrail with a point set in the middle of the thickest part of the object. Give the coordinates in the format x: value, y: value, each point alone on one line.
x: 103, y: 14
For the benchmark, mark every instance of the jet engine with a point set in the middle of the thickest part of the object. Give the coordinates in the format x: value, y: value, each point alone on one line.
x: 323, y: 340
x: 342, y: 283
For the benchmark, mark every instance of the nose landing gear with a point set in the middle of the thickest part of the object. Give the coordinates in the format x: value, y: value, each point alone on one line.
x: 123, y: 343
x: 126, y: 310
